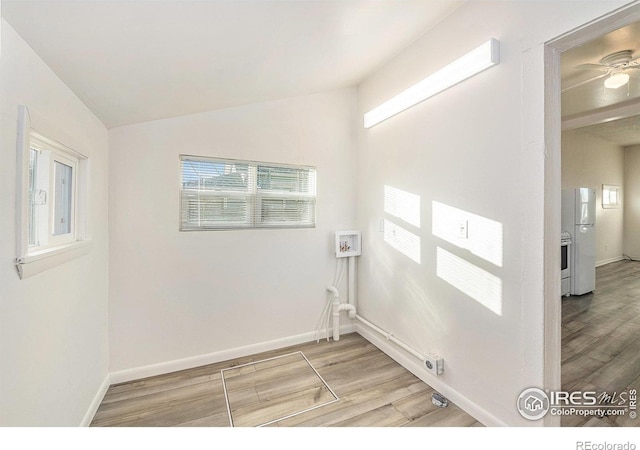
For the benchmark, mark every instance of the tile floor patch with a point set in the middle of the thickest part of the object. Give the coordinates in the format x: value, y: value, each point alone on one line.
x: 263, y: 392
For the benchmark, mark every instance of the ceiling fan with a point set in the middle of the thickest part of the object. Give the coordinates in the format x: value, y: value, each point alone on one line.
x: 617, y: 66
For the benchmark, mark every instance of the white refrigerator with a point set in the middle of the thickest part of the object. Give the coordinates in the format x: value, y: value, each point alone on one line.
x: 579, y: 219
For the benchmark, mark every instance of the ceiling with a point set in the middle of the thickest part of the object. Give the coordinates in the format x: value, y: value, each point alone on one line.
x: 134, y: 61
x: 584, y: 96
x: 624, y: 132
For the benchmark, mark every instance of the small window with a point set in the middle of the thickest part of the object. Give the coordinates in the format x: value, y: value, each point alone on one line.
x: 230, y: 194
x: 611, y: 196
x: 51, y: 215
x: 52, y: 195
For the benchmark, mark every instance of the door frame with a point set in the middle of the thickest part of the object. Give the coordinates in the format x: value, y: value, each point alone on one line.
x: 618, y: 18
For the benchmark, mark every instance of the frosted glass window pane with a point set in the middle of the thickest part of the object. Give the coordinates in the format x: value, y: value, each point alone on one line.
x: 33, y: 168
x: 63, y: 198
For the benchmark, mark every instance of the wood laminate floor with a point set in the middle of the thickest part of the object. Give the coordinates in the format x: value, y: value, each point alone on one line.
x: 373, y: 390
x: 601, y: 339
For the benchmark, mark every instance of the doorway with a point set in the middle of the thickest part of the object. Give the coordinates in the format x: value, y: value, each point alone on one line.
x: 553, y: 177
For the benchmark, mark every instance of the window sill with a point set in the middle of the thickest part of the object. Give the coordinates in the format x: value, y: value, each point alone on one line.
x: 46, y: 259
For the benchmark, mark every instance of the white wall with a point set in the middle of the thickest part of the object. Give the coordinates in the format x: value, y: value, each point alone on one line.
x: 53, y: 325
x: 470, y: 150
x: 589, y: 161
x: 178, y: 295
x: 631, y: 193
x: 175, y: 295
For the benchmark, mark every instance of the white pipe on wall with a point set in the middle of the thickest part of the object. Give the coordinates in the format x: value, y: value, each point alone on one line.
x: 349, y: 306
x: 351, y: 271
x: 391, y: 338
x: 336, y: 319
x: 334, y: 291
x: 337, y: 308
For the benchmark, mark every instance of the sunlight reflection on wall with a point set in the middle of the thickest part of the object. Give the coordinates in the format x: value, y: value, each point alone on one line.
x: 402, y: 240
x: 483, y: 238
x: 475, y: 282
x: 403, y: 205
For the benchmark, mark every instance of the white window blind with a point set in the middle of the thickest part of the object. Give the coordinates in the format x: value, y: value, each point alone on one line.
x: 226, y: 194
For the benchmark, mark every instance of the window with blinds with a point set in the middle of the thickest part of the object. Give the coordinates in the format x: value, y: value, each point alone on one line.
x: 227, y: 194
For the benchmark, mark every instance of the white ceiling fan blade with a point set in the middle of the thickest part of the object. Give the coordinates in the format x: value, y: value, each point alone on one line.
x: 592, y: 66
x: 582, y: 83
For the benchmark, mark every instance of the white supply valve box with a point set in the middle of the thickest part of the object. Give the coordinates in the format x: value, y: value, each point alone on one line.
x: 348, y: 243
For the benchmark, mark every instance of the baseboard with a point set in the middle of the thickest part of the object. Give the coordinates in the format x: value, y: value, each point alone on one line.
x: 137, y: 373
x: 95, y: 403
x: 414, y: 366
x: 609, y: 260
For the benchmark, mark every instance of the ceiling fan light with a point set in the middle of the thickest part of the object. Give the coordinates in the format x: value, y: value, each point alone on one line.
x: 616, y: 80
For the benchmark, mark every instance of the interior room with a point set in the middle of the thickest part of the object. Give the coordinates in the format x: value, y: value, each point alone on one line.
x: 600, y: 137
x: 305, y: 213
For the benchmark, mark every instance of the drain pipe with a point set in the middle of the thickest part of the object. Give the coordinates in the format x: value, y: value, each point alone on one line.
x: 351, y: 282
x: 337, y: 308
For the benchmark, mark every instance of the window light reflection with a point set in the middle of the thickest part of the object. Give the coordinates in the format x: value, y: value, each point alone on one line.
x: 402, y: 204
x: 402, y: 240
x: 482, y: 237
x: 480, y: 285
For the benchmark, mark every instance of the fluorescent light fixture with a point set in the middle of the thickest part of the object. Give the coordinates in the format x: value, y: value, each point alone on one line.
x: 616, y: 80
x: 474, y: 62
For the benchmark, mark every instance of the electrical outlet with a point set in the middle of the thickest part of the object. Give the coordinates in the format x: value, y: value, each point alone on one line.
x: 434, y: 364
x: 463, y: 229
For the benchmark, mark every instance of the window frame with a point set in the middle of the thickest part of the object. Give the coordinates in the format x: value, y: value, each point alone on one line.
x: 255, y: 196
x: 607, y: 190
x: 31, y: 259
